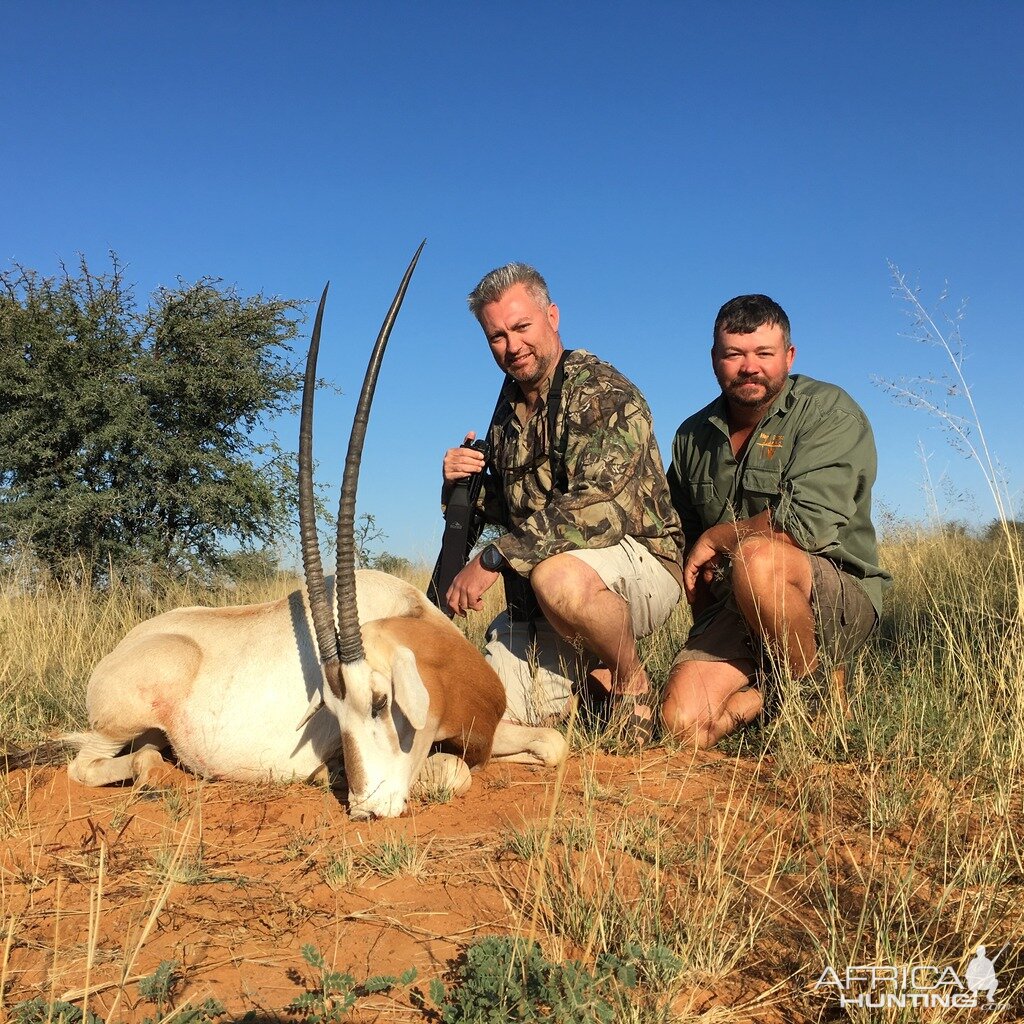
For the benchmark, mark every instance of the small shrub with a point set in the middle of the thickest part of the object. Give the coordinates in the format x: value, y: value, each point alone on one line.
x: 159, y: 988
x: 337, y: 872
x: 332, y: 996
x: 39, y: 1011
x: 506, y: 979
x: 393, y: 856
x: 525, y: 843
x: 334, y: 993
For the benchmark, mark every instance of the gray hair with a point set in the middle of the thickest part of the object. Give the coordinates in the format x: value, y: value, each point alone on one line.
x: 497, y: 282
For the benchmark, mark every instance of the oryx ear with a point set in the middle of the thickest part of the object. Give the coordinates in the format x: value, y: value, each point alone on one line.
x: 409, y: 692
x: 316, y: 702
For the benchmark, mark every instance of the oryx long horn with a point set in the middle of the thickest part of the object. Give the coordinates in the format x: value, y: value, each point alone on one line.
x: 349, y: 638
x: 323, y: 621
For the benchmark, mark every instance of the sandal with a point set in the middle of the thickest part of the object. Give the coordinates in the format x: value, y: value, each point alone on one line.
x: 635, y: 728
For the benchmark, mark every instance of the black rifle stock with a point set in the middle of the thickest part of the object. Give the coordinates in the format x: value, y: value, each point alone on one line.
x: 462, y: 529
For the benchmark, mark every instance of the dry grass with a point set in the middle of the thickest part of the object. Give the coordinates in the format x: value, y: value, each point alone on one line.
x: 889, y: 838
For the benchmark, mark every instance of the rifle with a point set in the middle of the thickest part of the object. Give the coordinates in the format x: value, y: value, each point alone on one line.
x: 462, y: 523
x: 462, y: 527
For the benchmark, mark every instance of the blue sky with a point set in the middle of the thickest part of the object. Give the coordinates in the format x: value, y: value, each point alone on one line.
x: 651, y: 159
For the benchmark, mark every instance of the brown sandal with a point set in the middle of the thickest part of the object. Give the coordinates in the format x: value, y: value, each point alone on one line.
x: 636, y: 729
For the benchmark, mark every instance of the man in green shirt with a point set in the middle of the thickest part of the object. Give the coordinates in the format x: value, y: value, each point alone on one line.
x: 772, y: 482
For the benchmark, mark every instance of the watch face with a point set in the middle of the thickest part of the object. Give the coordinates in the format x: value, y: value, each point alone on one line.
x: 491, y: 558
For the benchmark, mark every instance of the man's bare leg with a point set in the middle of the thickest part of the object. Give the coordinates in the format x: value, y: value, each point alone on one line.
x: 772, y: 583
x: 706, y: 700
x: 577, y: 603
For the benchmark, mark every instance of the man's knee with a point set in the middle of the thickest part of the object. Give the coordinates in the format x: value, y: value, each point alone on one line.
x: 678, y: 716
x: 684, y: 706
x: 563, y: 582
x: 698, y: 697
x: 762, y: 567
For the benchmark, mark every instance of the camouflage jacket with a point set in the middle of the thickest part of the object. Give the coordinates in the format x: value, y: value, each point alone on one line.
x: 612, y: 482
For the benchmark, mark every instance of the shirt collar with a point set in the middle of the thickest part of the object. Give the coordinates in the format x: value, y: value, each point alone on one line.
x: 514, y: 397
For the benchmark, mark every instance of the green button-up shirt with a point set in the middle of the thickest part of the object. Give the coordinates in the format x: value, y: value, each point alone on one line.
x: 811, y: 461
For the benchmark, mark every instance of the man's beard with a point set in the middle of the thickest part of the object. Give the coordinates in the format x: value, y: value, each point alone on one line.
x: 534, y: 377
x: 772, y: 389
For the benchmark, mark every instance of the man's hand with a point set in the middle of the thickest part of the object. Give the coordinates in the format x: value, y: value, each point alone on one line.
x: 705, y: 557
x: 715, y: 544
x: 460, y: 463
x: 468, y: 588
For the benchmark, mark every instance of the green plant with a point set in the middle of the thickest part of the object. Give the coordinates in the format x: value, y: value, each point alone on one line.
x: 333, y: 994
x: 159, y: 988
x: 175, y: 803
x: 393, y: 856
x: 296, y: 846
x: 337, y: 872
x: 186, y: 869
x: 39, y: 1011
x: 526, y: 842
x: 508, y: 979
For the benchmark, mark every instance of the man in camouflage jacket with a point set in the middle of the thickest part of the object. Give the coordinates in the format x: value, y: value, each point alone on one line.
x: 577, y: 482
x: 772, y: 482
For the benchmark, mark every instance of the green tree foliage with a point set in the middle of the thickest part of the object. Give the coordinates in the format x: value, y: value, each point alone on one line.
x: 128, y: 436
x: 999, y: 530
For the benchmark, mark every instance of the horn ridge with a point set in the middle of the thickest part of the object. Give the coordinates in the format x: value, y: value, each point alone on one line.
x: 349, y: 638
x: 316, y: 588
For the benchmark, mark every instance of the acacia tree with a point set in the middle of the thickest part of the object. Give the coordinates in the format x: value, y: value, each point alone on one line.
x: 127, y: 435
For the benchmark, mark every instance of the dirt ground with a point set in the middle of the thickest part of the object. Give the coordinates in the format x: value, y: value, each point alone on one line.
x: 99, y: 887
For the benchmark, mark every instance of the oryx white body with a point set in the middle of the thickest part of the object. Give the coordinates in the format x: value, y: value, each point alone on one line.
x: 227, y: 686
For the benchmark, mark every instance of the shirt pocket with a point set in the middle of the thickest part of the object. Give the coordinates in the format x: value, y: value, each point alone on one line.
x: 761, y: 489
x: 710, y: 507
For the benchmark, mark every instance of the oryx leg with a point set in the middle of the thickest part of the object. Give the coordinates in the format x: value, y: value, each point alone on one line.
x: 443, y: 772
x: 527, y: 744
x: 98, y: 763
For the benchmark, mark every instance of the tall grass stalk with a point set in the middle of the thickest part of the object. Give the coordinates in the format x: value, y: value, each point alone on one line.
x: 160, y: 898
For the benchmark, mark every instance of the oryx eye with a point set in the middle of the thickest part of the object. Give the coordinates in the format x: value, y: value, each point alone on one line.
x: 380, y: 702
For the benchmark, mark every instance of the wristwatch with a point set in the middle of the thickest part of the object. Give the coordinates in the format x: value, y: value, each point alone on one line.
x: 491, y: 558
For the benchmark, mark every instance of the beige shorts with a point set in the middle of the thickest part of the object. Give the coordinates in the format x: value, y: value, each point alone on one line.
x: 540, y: 669
x: 844, y: 618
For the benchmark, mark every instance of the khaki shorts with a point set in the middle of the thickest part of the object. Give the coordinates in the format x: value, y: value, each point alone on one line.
x: 540, y: 669
x: 843, y: 614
